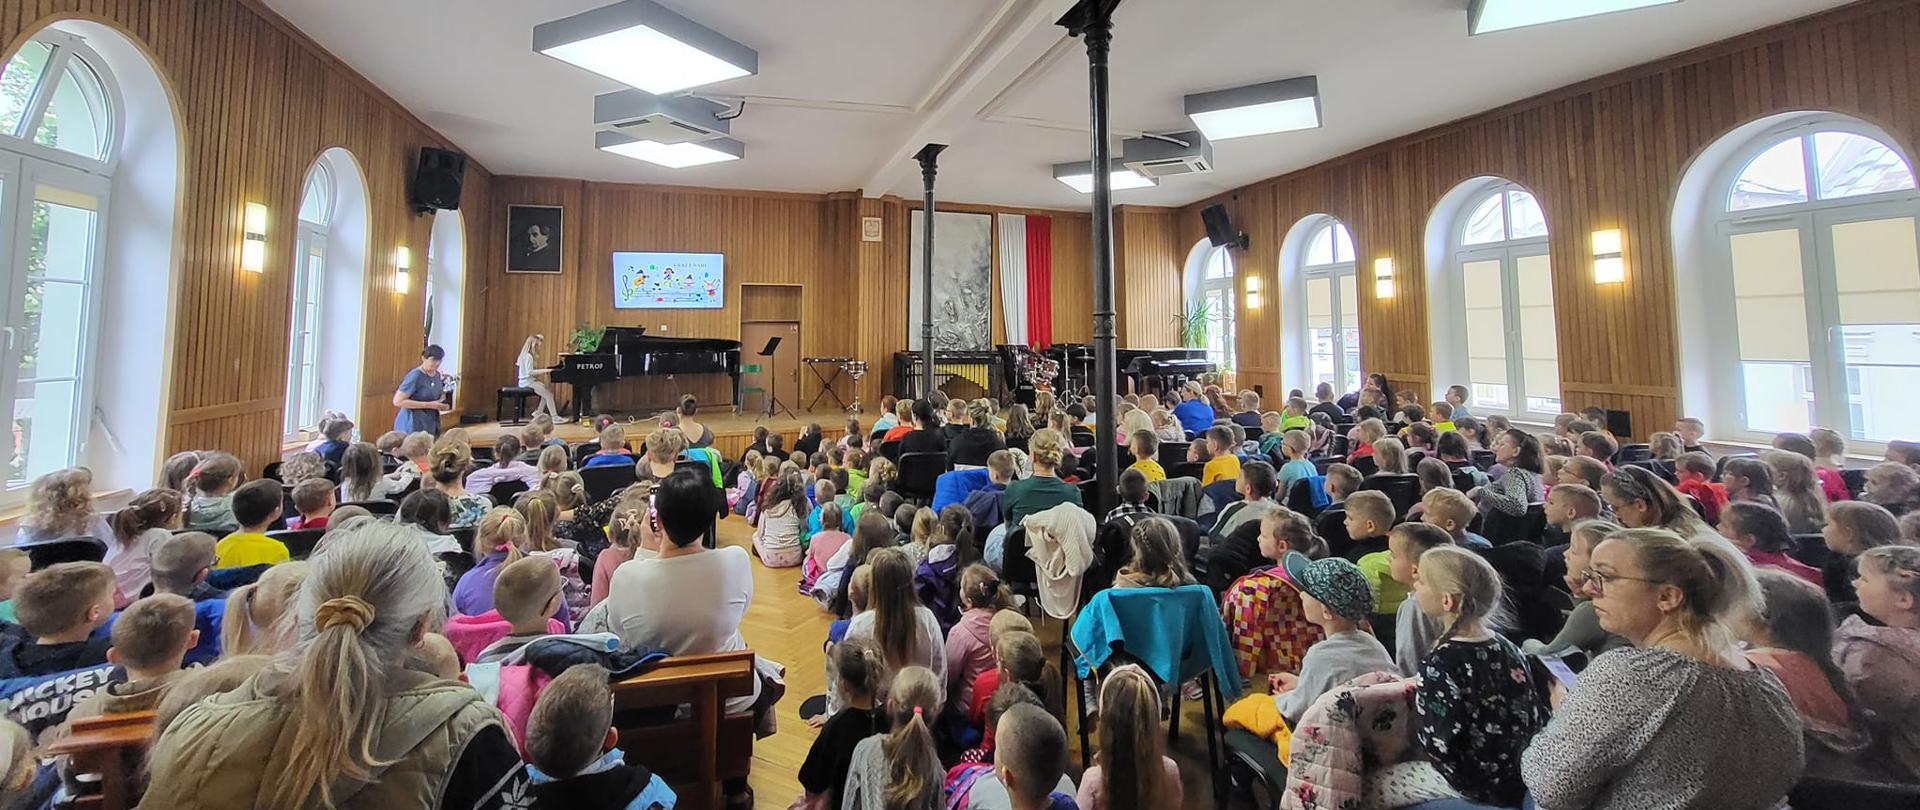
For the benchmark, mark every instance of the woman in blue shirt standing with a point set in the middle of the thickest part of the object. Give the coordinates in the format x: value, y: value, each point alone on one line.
x: 421, y: 394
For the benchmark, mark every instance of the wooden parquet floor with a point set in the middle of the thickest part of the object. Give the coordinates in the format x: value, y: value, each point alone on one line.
x: 788, y: 627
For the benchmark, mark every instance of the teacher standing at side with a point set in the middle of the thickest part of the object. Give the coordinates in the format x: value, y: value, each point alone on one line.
x: 421, y: 396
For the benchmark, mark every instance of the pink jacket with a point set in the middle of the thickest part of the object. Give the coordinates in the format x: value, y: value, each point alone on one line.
x: 471, y: 634
x: 1364, y: 720
x: 1882, y: 665
x: 968, y: 655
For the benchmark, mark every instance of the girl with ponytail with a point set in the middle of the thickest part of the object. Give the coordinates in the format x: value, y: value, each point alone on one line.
x: 1479, y: 702
x: 210, y: 493
x: 969, y: 643
x: 498, y: 541
x: 823, y: 776
x: 1130, y: 772
x: 900, y: 770
x: 252, y: 624
x: 540, y: 512
x: 137, y: 527
x: 334, y: 723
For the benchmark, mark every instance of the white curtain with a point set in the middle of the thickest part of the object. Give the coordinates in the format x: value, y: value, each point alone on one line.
x: 1013, y: 277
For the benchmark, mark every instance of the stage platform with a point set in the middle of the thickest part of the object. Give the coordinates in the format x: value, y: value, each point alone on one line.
x: 732, y: 433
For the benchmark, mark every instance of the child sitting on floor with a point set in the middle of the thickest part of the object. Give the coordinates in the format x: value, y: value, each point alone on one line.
x: 858, y: 670
x: 1029, y: 765
x: 936, y: 580
x: 1130, y: 770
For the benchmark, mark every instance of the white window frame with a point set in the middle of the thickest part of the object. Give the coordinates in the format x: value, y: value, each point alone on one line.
x: 1332, y: 273
x: 1224, y: 289
x: 1814, y: 219
x: 24, y: 166
x: 1508, y: 254
x: 308, y: 287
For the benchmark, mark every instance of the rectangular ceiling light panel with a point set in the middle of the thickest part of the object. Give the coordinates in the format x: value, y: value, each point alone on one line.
x: 643, y: 44
x: 1283, y: 106
x: 1079, y: 176
x: 1487, y: 16
x: 671, y: 155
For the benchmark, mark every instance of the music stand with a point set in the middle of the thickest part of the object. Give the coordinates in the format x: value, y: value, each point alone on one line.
x: 773, y: 399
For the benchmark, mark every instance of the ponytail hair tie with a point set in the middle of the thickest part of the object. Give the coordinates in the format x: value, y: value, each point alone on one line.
x: 919, y: 712
x: 348, y: 610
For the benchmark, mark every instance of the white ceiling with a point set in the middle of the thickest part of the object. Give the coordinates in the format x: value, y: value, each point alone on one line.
x: 848, y: 90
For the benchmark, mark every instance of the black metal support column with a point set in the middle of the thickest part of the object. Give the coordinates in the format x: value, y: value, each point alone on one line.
x: 929, y: 157
x: 1092, y: 20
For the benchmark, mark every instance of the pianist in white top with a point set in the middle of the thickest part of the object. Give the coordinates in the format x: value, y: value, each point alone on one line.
x: 530, y: 376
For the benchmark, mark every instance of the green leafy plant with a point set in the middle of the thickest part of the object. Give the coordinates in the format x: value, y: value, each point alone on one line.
x: 1193, y: 323
x: 586, y: 337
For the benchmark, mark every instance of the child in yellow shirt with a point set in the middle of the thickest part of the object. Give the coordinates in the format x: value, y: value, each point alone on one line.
x: 256, y: 504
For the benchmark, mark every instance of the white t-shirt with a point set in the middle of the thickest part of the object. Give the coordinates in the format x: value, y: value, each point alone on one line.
x: 687, y: 605
x: 524, y: 365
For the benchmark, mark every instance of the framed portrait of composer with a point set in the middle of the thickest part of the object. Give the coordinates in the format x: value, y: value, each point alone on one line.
x: 534, y: 234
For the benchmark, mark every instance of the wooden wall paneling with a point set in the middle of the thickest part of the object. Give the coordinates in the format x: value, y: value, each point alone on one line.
x: 1149, y: 260
x: 1608, y: 152
x: 257, y: 101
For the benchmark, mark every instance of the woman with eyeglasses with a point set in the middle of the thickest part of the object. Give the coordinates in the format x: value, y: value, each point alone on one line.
x: 1641, y: 500
x: 1680, y: 719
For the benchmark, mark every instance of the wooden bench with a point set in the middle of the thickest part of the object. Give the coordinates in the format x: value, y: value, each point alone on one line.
x: 693, y: 751
x: 110, y: 747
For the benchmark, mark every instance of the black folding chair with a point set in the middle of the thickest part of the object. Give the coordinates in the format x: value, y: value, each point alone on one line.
x: 1187, y: 469
x: 1811, y: 549
x: 918, y: 473
x: 1501, y: 528
x: 1365, y: 464
x: 79, y: 548
x: 503, y: 493
x: 1633, y: 452
x: 605, y: 480
x: 891, y: 450
x: 1401, y: 488
x: 1856, y: 480
x: 1173, y: 454
x: 1484, y: 459
x: 383, y: 507
x: 1082, y: 437
x: 299, y: 542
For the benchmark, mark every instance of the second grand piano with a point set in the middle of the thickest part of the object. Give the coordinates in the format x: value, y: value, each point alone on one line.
x: 628, y: 353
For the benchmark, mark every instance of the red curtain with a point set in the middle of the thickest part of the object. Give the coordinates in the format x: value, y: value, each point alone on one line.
x: 1040, y: 281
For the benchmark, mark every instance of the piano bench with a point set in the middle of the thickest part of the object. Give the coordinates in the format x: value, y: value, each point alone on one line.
x: 519, y: 396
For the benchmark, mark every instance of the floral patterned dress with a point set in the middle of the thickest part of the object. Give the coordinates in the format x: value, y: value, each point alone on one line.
x: 1478, y: 706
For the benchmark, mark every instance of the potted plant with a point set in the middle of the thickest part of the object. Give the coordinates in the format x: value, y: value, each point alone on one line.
x: 586, y: 337
x: 1193, y: 324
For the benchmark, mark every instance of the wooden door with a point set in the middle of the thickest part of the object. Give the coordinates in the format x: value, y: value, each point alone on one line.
x: 780, y: 373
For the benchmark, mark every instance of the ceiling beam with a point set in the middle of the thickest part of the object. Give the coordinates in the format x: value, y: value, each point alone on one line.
x: 1019, y: 33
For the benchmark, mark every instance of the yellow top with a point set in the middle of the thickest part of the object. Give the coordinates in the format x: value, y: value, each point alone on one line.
x: 1151, y: 469
x: 1225, y: 467
x: 1388, y: 593
x: 245, y: 548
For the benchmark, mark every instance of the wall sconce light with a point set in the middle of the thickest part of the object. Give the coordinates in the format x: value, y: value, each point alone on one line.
x: 402, y: 262
x: 1609, y: 257
x: 1253, y: 292
x: 1383, y: 277
x: 253, y: 238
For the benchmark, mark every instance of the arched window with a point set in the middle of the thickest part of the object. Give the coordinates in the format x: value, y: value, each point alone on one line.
x: 446, y: 278
x: 309, y: 295
x: 1333, y: 306
x: 1502, y: 304
x: 1209, y: 296
x: 325, y: 322
x: 1819, y: 278
x: 57, y: 133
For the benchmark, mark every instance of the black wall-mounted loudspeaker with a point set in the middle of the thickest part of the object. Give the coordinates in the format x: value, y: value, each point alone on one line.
x: 436, y: 180
x: 1220, y: 230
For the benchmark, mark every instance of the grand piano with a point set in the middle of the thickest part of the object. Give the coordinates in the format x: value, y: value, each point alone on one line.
x: 628, y: 352
x: 1149, y: 370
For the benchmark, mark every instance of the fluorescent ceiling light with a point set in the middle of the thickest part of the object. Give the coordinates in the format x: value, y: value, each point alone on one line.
x: 1079, y: 176
x: 1487, y: 16
x: 643, y: 44
x: 1261, y: 109
x: 671, y: 155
